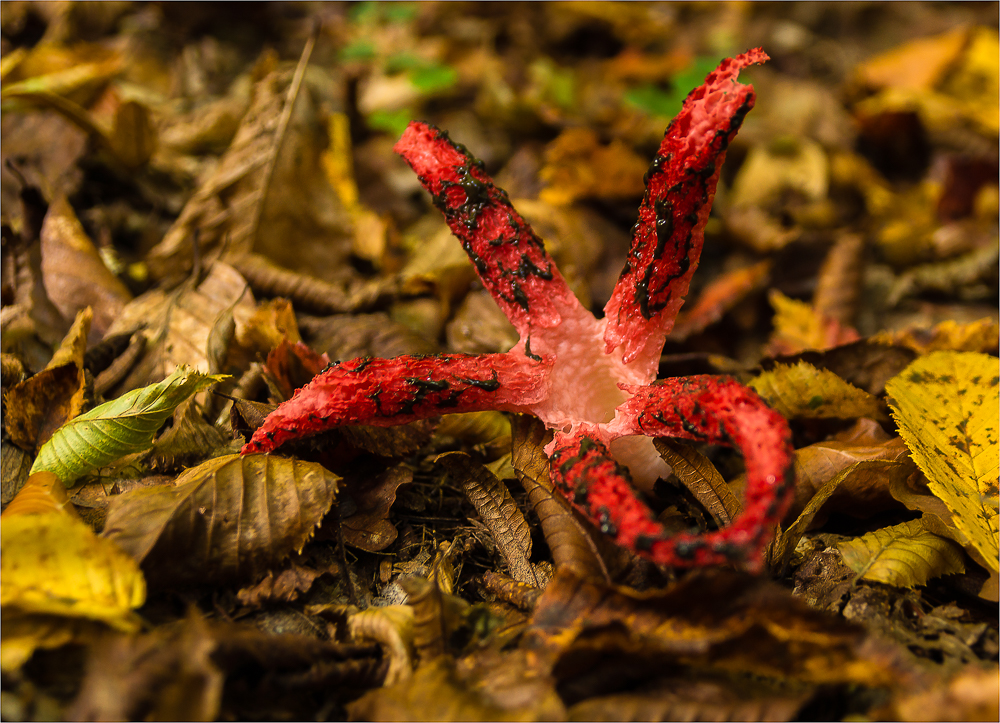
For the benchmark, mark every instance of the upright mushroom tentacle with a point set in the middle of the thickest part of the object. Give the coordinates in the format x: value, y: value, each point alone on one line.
x: 680, y: 187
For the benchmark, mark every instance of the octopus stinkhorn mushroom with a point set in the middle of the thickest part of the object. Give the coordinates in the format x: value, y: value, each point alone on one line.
x: 592, y: 381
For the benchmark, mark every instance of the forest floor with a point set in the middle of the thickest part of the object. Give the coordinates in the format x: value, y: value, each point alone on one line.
x: 202, y: 209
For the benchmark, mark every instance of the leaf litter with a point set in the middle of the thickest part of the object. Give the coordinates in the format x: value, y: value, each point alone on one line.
x: 178, y: 187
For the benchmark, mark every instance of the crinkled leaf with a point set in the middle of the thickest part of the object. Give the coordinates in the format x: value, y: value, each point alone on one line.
x: 803, y: 391
x: 701, y: 478
x: 54, y: 564
x: 496, y: 506
x: 564, y: 533
x: 902, y: 555
x: 946, y: 405
x: 228, y: 518
x: 784, y: 545
x: 117, y: 428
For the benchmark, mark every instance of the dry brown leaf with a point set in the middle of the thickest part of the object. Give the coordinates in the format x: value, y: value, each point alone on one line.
x: 189, y: 438
x: 258, y: 198
x: 718, y: 619
x: 565, y: 534
x: 74, y: 273
x: 307, y: 292
x: 686, y: 699
x: 701, y: 478
x: 177, y: 326
x: 971, y: 694
x: 229, y: 518
x: 431, y: 623
x: 39, y: 405
x: 367, y: 526
x: 391, y: 626
x: 284, y: 586
x: 838, y: 285
x: 437, y: 691
x: 177, y: 672
x: 292, y: 365
x: 780, y: 552
x: 498, y: 511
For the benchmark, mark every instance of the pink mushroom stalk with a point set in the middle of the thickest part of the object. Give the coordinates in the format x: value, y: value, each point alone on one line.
x: 591, y: 380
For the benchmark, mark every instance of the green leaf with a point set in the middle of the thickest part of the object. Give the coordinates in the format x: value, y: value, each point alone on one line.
x: 432, y: 78
x: 393, y: 121
x: 656, y: 101
x: 358, y: 50
x: 902, y: 555
x: 946, y: 405
x: 117, y: 428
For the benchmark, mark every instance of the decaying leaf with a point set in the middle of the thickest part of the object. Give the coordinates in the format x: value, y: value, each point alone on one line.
x: 188, y: 669
x: 565, y: 534
x: 946, y: 405
x: 257, y: 197
x: 228, y: 518
x: 366, y: 525
x: 840, y: 280
x: 41, y: 404
x: 969, y: 695
x: 803, y: 391
x: 685, y: 699
x: 701, y: 478
x: 74, y: 273
x: 189, y: 437
x: 783, y: 547
x: 717, y: 619
x: 578, y: 166
x: 798, y: 326
x: 496, y: 507
x: 903, y: 555
x: 437, y: 691
x: 116, y: 428
x: 285, y: 585
x: 391, y: 626
x: 178, y: 326
x: 53, y: 564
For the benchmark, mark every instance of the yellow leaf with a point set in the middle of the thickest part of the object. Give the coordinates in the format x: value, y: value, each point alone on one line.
x: 946, y: 405
x: 902, y: 555
x: 948, y: 335
x: 51, y: 563
x: 919, y: 64
x: 796, y: 325
x: 803, y: 391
